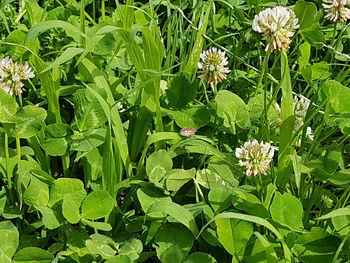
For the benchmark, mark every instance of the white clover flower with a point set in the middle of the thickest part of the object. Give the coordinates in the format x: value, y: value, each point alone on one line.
x: 309, y: 134
x: 11, y: 74
x: 188, y: 131
x: 255, y: 157
x: 277, y: 26
x: 212, y: 67
x: 336, y: 10
x: 300, y: 106
x: 120, y: 107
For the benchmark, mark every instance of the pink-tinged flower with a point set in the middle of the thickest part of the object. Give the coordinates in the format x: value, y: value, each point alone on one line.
x: 11, y: 75
x: 277, y: 25
x: 188, y: 131
x: 255, y: 157
x: 336, y: 10
x: 212, y: 67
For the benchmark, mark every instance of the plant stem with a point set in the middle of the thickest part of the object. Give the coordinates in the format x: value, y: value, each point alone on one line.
x: 7, y: 155
x: 103, y: 10
x: 263, y: 72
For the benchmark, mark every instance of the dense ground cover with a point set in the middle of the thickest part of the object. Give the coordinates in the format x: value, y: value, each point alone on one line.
x: 174, y: 131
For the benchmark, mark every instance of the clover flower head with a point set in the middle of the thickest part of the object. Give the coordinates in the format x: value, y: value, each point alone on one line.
x: 11, y: 75
x: 120, y: 107
x: 255, y: 157
x: 212, y: 67
x: 188, y: 131
x: 300, y: 105
x: 277, y: 25
x: 336, y: 10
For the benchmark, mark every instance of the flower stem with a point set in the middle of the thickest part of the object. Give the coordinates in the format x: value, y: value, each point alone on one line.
x: 263, y: 72
x: 9, y: 182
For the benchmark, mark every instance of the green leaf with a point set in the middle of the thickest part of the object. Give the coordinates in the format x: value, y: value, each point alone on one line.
x: 101, y: 245
x: 321, y: 70
x: 6, y: 106
x: 173, y: 242
x: 49, y: 218
x: 37, y: 193
x: 39, y: 28
x: 97, y: 205
x: 181, y: 90
x: 131, y: 248
x: 307, y: 14
x: 317, y: 246
x: 158, y: 164
x: 232, y: 109
x: 191, y: 116
x: 119, y: 259
x: 70, y: 208
x: 33, y: 255
x: 220, y: 199
x: 176, y: 178
x: 88, y: 111
x: 176, y: 211
x: 342, y: 224
x: 97, y: 225
x: 304, y: 54
x: 148, y: 195
x: 344, y: 211
x: 67, y: 55
x: 26, y: 122
x: 55, y: 146
x: 292, y: 216
x: 209, y: 179
x: 233, y: 235
x: 200, y: 257
x: 88, y: 140
x: 66, y: 186
x: 9, y: 239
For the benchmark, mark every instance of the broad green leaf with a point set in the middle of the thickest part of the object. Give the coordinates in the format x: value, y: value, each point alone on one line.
x: 342, y: 224
x: 97, y: 225
x: 210, y: 179
x: 220, y: 199
x: 233, y: 235
x: 200, y: 257
x: 88, y: 140
x: 256, y: 220
x: 119, y: 259
x: 131, y: 248
x: 6, y: 106
x: 249, y: 203
x: 176, y: 178
x: 97, y: 205
x: 101, y: 245
x: 49, y: 218
x: 26, y: 122
x: 321, y: 70
x: 338, y: 96
x: 70, y: 208
x: 33, y: 255
x: 66, y: 186
x: 149, y: 195
x: 157, y: 165
x: 37, y: 193
x: 232, y: 109
x: 304, y: 54
x: 176, y: 211
x: 88, y: 111
x: 181, y: 90
x: 9, y: 239
x: 173, y: 243
x: 55, y: 146
x: 191, y: 116
x: 307, y: 14
x: 286, y: 209
x: 316, y: 246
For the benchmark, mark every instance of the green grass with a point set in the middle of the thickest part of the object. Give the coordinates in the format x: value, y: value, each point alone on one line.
x: 93, y: 167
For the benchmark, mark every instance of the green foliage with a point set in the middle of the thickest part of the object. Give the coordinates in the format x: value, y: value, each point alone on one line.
x: 95, y: 163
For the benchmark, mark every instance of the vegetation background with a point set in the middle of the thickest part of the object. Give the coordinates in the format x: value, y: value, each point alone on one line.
x: 95, y: 165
